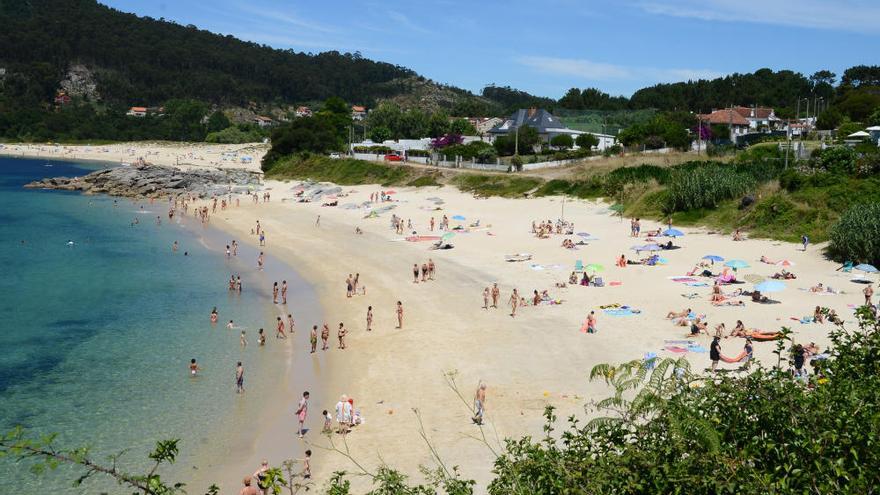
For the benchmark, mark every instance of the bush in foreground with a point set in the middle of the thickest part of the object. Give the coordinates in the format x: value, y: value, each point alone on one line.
x: 856, y: 236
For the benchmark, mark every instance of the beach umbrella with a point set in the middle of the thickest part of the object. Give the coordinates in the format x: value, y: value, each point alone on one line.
x: 673, y: 233
x: 770, y: 286
x: 736, y: 264
x: 713, y: 258
x: 594, y: 267
x: 754, y: 278
x: 387, y: 193
x: 650, y: 247
x: 458, y: 217
x: 447, y: 236
x: 864, y: 267
x: 785, y: 263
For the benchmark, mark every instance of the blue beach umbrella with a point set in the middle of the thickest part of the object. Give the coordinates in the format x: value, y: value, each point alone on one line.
x: 650, y: 247
x: 673, y: 233
x: 713, y: 258
x: 736, y: 264
x: 770, y: 286
x: 864, y: 267
x: 458, y: 217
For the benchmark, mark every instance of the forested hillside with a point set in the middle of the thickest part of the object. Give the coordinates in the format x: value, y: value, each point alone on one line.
x: 143, y: 61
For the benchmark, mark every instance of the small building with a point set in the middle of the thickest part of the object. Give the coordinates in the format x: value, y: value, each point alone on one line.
x: 738, y: 124
x: 303, y: 112
x: 263, y: 121
x: 358, y: 112
x: 484, y: 124
x: 137, y: 112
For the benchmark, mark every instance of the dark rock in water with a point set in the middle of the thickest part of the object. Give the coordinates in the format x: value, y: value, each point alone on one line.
x: 153, y: 181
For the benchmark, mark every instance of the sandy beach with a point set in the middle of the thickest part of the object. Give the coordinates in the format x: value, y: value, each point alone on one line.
x: 537, y: 358
x: 529, y: 361
x: 182, y: 155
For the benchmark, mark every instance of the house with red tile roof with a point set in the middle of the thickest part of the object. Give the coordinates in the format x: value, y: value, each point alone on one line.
x: 738, y: 124
x: 358, y: 112
x: 759, y: 117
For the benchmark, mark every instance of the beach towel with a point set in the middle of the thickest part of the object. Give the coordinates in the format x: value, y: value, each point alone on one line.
x: 422, y: 238
x: 615, y: 283
x: 697, y: 348
x: 622, y: 311
x: 696, y: 284
x: 681, y: 279
x: 676, y: 349
x: 737, y: 359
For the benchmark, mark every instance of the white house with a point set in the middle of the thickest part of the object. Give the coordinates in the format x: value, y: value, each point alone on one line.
x: 358, y: 112
x: 303, y: 112
x: 263, y: 121
x: 874, y: 132
x: 547, y: 125
x: 137, y: 112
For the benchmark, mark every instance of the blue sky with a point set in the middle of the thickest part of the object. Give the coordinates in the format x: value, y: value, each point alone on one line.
x: 548, y: 46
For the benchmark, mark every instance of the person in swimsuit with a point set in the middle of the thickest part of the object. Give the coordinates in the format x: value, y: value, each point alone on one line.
x: 325, y: 336
x: 514, y: 302
x: 369, y: 318
x: 349, y: 286
x: 301, y: 412
x: 193, y: 367
x: 261, y: 337
x: 591, y: 322
x: 275, y: 293
x: 424, y: 272
x: 284, y: 292
x: 479, y: 404
x: 749, y: 353
x: 230, y: 325
x: 869, y: 293
x: 430, y: 269
x: 399, y: 314
x: 290, y: 322
x: 214, y: 316
x: 496, y: 293
x: 239, y: 378
x: 238, y: 283
x: 739, y: 330
x: 279, y: 329
x: 415, y: 273
x: 486, y: 298
x: 242, y: 340
x: 313, y: 338
x: 262, y: 476
x: 260, y: 261
x: 340, y: 334
x: 307, y: 465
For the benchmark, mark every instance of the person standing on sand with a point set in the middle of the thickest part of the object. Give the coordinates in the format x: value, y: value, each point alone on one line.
x: 424, y: 272
x: 325, y: 336
x: 340, y: 334
x: 290, y: 322
x: 486, y: 298
x: 239, y: 378
x: 432, y: 224
x: 415, y: 273
x: 234, y: 248
x: 260, y: 261
x: 496, y: 293
x: 261, y: 337
x: 805, y: 241
x: 868, y: 292
x: 354, y: 283
x: 284, y: 292
x: 275, y: 293
x: 318, y: 221
x: 313, y: 338
x: 279, y: 329
x: 430, y: 269
x: 399, y: 314
x: 715, y: 352
x: 479, y: 404
x: 514, y: 302
x: 301, y: 412
x: 369, y: 318
x: 348, y: 286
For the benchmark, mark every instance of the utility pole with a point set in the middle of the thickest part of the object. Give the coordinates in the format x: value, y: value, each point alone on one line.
x: 516, y: 142
x: 699, y: 134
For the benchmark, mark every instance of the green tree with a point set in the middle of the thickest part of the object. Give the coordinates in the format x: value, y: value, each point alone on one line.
x: 528, y: 138
x: 462, y: 127
x: 380, y: 134
x: 317, y: 135
x: 183, y: 120
x: 438, y: 124
x: 587, y: 141
x: 829, y: 119
x: 562, y: 141
x: 217, y: 122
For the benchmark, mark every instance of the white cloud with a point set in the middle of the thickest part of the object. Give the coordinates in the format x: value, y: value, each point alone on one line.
x: 284, y: 17
x: 405, y: 21
x: 861, y: 16
x: 598, y: 71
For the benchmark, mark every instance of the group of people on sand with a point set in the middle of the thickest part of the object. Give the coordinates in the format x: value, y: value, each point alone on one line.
x: 426, y: 271
x: 545, y: 228
x: 352, y: 283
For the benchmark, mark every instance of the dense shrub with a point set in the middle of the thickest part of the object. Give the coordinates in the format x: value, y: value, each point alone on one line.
x: 837, y: 159
x: 705, y: 187
x: 856, y: 236
x: 375, y: 149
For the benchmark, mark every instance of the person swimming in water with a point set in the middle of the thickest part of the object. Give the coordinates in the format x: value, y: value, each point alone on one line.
x: 193, y: 367
x: 214, y: 316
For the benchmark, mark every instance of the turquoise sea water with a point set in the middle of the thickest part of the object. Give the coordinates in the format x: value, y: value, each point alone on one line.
x: 97, y: 336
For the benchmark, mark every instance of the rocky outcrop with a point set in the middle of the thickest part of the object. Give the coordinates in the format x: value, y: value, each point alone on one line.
x: 80, y: 82
x: 154, y: 181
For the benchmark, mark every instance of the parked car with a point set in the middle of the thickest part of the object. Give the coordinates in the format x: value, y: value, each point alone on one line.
x: 335, y: 155
x: 393, y: 157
